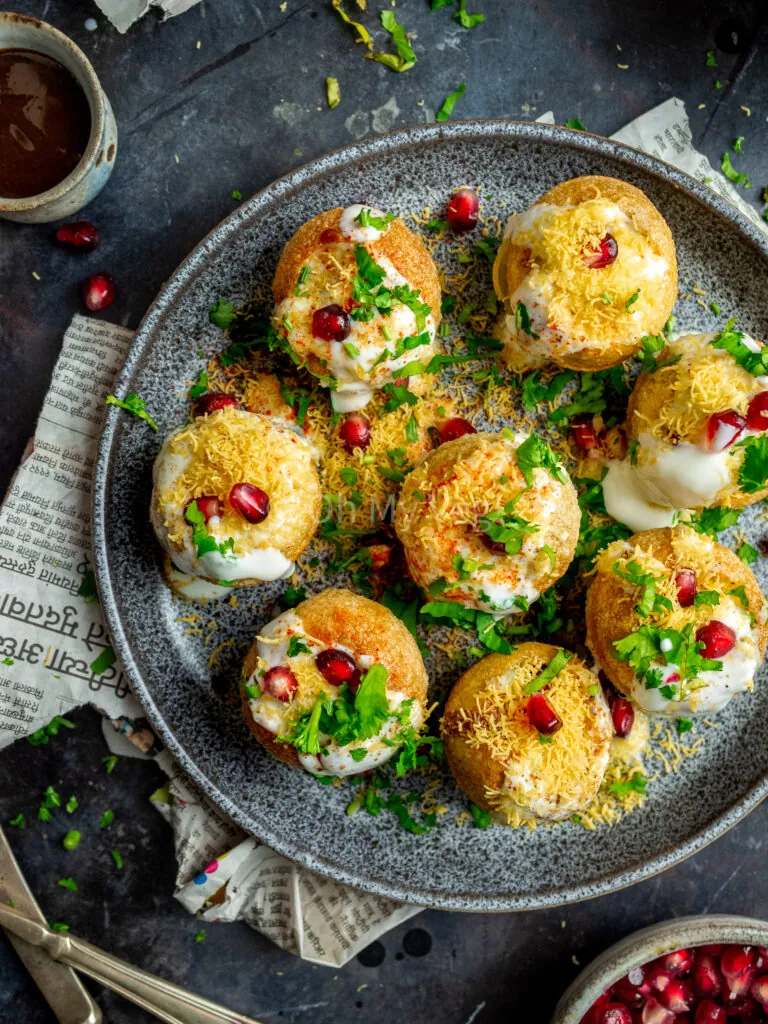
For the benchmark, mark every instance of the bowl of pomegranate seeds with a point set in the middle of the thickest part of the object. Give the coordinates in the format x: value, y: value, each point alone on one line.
x: 708, y: 969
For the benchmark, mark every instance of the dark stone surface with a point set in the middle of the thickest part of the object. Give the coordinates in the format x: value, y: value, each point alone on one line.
x: 239, y: 111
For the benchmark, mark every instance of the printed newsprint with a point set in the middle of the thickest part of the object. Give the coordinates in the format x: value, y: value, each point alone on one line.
x: 55, y: 652
x: 123, y: 13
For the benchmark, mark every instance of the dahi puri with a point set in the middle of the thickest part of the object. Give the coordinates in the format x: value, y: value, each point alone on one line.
x: 236, y: 497
x: 583, y: 274
x: 357, y: 302
x: 488, y: 520
x: 502, y: 752
x: 335, y: 686
x: 676, y: 621
x: 696, y: 425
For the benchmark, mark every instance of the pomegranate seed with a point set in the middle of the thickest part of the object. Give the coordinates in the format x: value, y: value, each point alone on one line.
x: 456, y: 427
x: 680, y: 962
x: 709, y: 1013
x: 736, y: 960
x: 381, y: 555
x: 685, y: 581
x: 613, y: 1013
x: 604, y: 255
x: 623, y: 715
x: 331, y: 235
x: 209, y: 505
x: 98, y: 291
x: 631, y: 989
x: 331, y: 323
x: 677, y: 996
x: 757, y: 413
x: 279, y: 682
x: 461, y: 212
x: 542, y: 715
x: 740, y: 985
x: 583, y: 433
x: 212, y: 401
x: 355, y: 431
x: 251, y: 502
x: 81, y: 235
x: 335, y: 665
x: 658, y: 976
x: 759, y: 990
x: 717, y: 638
x: 655, y: 1013
x: 724, y: 429
x: 706, y: 977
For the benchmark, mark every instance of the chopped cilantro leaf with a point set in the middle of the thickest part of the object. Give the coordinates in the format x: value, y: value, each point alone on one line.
x: 741, y: 593
x: 710, y: 59
x: 87, y: 589
x: 732, y: 342
x: 19, y: 821
x: 449, y: 103
x: 635, y: 784
x: 709, y: 598
x: 332, y: 92
x: 106, y: 819
x: 296, y: 646
x: 68, y: 883
x: 134, y: 404
x: 118, y: 859
x: 684, y: 725
x: 109, y: 762
x: 523, y: 320
x: 367, y: 219
x: 632, y: 300
x: 535, y: 453
x: 222, y: 314
x: 71, y: 840
x: 575, y: 123
x: 405, y: 58
x: 437, y: 224
x: 467, y: 20
x: 747, y: 553
x: 105, y: 660
x: 557, y: 664
x: 200, y: 386
x: 713, y: 521
x: 481, y: 818
x: 730, y: 171
x: 753, y: 471
x: 651, y: 343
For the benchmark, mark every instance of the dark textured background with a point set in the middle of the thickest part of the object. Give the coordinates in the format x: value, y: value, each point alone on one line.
x: 243, y: 108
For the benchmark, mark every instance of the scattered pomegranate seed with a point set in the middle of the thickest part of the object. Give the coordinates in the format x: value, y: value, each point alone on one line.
x: 212, y: 401
x: 98, y: 291
x: 542, y: 715
x: 604, y: 255
x: 461, y: 212
x: 706, y: 978
x: 685, y: 581
x: 331, y: 323
x: 717, y: 638
x: 336, y: 666
x: 613, y: 1013
x: 680, y: 962
x: 724, y: 429
x: 331, y: 235
x: 623, y: 715
x: 736, y: 960
x: 381, y: 555
x: 251, y: 502
x: 658, y: 976
x: 81, y: 235
x: 209, y: 505
x: 757, y: 413
x: 583, y: 433
x: 355, y: 431
x: 708, y: 1012
x: 631, y: 992
x: 655, y: 1013
x: 759, y: 990
x: 456, y: 427
x: 740, y: 985
x: 677, y: 996
x: 279, y: 682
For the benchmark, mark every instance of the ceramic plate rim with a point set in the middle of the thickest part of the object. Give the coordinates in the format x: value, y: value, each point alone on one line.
x: 527, y: 132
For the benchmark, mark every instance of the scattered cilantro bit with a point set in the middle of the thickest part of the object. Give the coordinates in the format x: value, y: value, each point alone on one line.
x: 635, y: 784
x: 467, y: 20
x: 202, y: 540
x: 200, y: 936
x: 650, y: 601
x: 293, y: 596
x: 438, y: 224
x: 557, y: 664
x: 19, y: 821
x: 535, y: 453
x: 507, y: 528
x: 710, y: 59
x: 68, y: 883
x: 296, y: 646
x: 405, y: 57
x: 222, y: 314
x: 753, y: 471
x: 332, y: 92
x: 449, y: 103
x: 713, y: 521
x: 731, y: 173
x: 348, y: 475
x: 57, y: 926
x: 87, y: 589
x: 200, y: 386
x: 367, y: 219
x: 437, y: 4
x: 362, y: 35
x: 412, y: 430
x: 118, y: 859
x: 741, y: 593
x: 652, y: 343
x: 575, y: 123
x: 71, y: 840
x: 523, y: 320
x: 534, y: 392
x: 8, y: 661
x: 706, y: 598
x: 643, y: 646
x: 737, y: 145
x: 747, y: 553
x: 135, y: 405
x: 715, y: 308
x: 109, y: 762
x: 105, y: 660
x: 302, y: 279
x: 632, y: 299
x: 684, y: 725
x: 237, y: 194
x: 106, y: 819
x: 481, y: 818
x: 71, y: 805
x: 40, y: 736
x: 252, y: 692
x: 718, y: 85
x: 397, y: 395
x: 488, y: 247
x: 732, y: 342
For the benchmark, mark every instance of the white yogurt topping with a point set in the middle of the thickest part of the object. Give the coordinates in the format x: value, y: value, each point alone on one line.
x: 739, y: 667
x: 626, y: 501
x: 683, y: 475
x: 355, y: 232
x: 193, y: 588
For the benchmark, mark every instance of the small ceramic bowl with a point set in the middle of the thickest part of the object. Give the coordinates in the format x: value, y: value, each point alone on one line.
x: 92, y: 173
x: 647, y: 944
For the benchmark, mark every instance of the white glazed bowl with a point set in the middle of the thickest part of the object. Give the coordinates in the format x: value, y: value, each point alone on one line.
x: 647, y: 944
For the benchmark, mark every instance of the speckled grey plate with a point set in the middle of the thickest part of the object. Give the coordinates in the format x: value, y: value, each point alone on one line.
x: 451, y: 867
